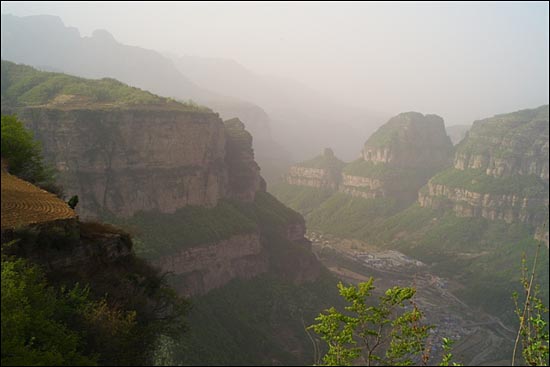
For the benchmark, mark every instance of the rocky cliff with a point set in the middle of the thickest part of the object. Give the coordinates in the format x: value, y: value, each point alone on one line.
x: 243, y: 171
x: 320, y: 172
x: 210, y: 266
x: 183, y: 180
x: 123, y: 150
x: 122, y: 161
x: 500, y: 171
x: 48, y: 232
x: 507, y: 145
x: 410, y: 140
x: 399, y: 158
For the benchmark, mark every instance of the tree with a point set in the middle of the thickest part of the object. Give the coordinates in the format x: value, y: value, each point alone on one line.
x: 532, y: 315
x: 34, y: 329
x: 23, y: 154
x: 389, y: 333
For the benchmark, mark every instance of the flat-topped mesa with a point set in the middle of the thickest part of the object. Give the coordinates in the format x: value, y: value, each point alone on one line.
x: 399, y: 158
x: 507, y: 145
x: 244, y: 178
x: 500, y: 171
x: 322, y: 171
x: 123, y: 150
x: 410, y: 140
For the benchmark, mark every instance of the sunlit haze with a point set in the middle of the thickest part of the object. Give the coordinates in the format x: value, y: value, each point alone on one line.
x: 463, y: 61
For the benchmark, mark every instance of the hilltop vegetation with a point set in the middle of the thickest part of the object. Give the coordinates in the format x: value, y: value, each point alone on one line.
x: 25, y: 86
x: 477, y: 180
x: 327, y: 160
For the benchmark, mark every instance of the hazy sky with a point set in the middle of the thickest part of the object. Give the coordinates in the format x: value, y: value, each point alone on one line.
x: 462, y: 61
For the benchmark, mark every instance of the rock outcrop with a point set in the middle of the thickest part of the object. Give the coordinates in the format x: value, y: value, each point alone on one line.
x: 203, y: 268
x: 243, y: 171
x: 410, y: 140
x: 399, y: 158
x: 320, y: 172
x: 507, y: 145
x: 511, y: 208
x: 123, y: 151
x: 500, y: 171
x: 123, y: 161
x: 49, y: 233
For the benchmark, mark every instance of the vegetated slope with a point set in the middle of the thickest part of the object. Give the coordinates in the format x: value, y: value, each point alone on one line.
x: 75, y: 289
x: 395, y: 162
x: 187, y: 186
x: 472, y: 221
x: 475, y: 220
x: 120, y: 149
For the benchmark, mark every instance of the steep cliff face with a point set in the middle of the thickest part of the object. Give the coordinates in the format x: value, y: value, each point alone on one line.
x: 48, y: 232
x: 243, y: 171
x: 511, y: 208
x: 399, y: 158
x: 410, y: 140
x: 500, y: 171
x: 127, y: 160
x: 186, y: 182
x: 364, y: 187
x: 320, y: 172
x: 201, y: 269
x: 507, y: 145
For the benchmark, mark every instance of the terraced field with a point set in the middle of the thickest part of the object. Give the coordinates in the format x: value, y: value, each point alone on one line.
x: 24, y: 204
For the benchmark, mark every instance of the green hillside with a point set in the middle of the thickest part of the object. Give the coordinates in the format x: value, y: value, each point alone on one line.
x: 25, y: 86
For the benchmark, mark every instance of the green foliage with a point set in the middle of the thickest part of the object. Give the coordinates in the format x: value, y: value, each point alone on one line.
x: 481, y: 248
x: 303, y: 199
x: 35, y: 318
x: 447, y: 358
x: 25, y: 86
x: 259, y: 321
x: 24, y: 154
x: 73, y: 201
x: 477, y: 181
x: 387, y: 333
x: 533, y: 320
x: 160, y: 234
x: 525, y: 129
x: 116, y: 319
x: 348, y: 216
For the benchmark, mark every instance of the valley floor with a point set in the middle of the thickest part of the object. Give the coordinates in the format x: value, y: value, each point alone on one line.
x: 480, y: 338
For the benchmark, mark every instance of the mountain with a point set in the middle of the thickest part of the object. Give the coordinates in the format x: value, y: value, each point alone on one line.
x: 471, y: 218
x: 29, y: 40
x: 299, y: 114
x: 396, y: 161
x: 186, y: 185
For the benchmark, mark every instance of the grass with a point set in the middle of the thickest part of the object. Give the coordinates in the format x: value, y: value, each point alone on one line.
x: 255, y: 322
x: 25, y: 86
x: 477, y: 181
x: 488, y: 253
x: 303, y: 199
x: 525, y: 129
x: 158, y: 234
x: 348, y: 216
